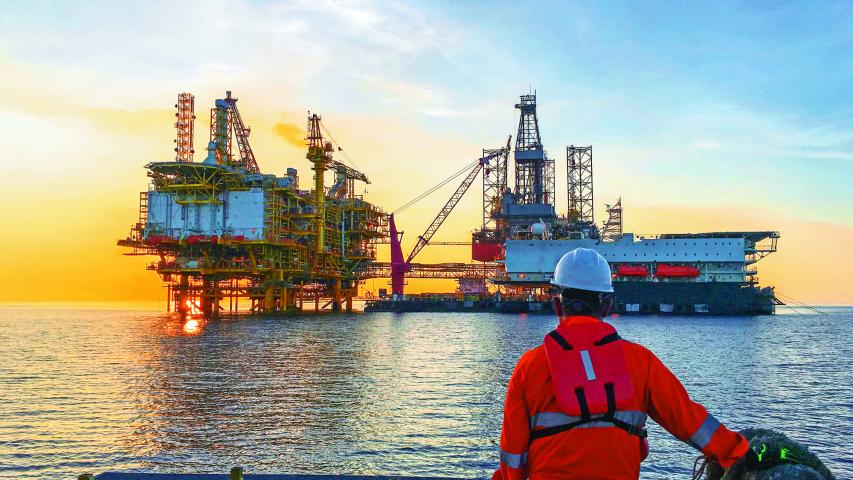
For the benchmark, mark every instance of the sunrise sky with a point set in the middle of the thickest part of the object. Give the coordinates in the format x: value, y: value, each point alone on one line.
x: 723, y: 116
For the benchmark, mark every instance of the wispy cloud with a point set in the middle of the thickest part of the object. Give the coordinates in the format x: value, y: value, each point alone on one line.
x: 295, y: 47
x: 774, y: 134
x: 413, y: 97
x: 706, y: 144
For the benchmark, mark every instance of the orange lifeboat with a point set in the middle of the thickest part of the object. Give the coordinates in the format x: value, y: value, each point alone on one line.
x: 632, y: 271
x: 486, y: 251
x: 671, y: 271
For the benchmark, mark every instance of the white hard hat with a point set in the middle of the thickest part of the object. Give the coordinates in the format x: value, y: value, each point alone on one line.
x: 584, y: 269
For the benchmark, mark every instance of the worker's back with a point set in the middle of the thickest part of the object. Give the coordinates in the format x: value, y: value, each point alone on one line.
x: 586, y: 420
x: 601, y: 450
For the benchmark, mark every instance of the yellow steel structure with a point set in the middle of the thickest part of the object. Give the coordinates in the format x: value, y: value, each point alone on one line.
x: 287, y: 247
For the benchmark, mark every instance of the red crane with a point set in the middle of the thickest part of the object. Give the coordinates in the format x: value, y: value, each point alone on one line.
x: 400, y: 267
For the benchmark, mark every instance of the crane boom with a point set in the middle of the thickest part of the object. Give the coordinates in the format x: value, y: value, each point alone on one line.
x: 424, y: 239
x: 349, y: 172
x: 241, y: 132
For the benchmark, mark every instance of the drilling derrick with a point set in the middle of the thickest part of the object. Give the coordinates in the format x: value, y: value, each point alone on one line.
x: 534, y: 172
x: 219, y: 147
x: 494, y: 184
x: 579, y: 177
x: 185, y: 126
x: 612, y: 229
x: 241, y: 132
x: 486, y: 242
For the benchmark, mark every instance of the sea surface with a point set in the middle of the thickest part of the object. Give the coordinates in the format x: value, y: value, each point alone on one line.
x: 92, y: 389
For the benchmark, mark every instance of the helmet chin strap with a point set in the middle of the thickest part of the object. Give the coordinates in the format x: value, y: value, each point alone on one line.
x: 580, y: 307
x: 606, y: 301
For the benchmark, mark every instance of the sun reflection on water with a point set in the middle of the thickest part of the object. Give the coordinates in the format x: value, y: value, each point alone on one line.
x: 192, y: 327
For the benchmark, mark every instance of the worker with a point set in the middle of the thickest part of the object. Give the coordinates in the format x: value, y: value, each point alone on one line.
x: 576, y: 406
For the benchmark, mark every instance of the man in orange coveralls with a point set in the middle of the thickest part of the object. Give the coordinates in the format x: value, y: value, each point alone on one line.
x: 576, y: 405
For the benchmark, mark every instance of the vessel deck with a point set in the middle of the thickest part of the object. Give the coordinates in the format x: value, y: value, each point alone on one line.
x: 249, y: 476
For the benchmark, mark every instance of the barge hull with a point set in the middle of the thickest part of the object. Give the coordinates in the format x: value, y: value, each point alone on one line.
x: 637, y: 298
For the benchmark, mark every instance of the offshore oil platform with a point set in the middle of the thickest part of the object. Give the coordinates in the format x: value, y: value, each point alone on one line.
x: 522, y: 237
x: 225, y: 232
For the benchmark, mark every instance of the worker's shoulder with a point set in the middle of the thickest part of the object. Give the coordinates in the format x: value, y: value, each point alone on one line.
x: 532, y: 356
x: 637, y: 351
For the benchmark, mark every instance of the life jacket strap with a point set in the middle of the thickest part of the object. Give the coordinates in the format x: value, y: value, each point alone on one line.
x: 582, y: 403
x: 554, y: 430
x: 607, y: 339
x: 567, y: 346
x: 611, y: 399
x: 560, y: 340
x: 552, y: 423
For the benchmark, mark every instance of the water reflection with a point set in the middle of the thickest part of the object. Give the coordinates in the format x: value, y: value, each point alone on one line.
x: 412, y: 394
x: 179, y: 325
x: 191, y: 327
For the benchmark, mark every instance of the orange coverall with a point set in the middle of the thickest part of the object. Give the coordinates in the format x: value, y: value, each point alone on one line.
x: 606, y: 451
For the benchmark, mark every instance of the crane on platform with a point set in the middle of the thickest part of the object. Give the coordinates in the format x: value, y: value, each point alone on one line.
x: 241, y: 133
x: 320, y: 155
x: 225, y: 121
x: 400, y: 267
x: 316, y: 140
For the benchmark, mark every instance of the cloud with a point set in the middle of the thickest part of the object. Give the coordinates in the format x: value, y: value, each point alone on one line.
x: 706, y: 144
x: 291, y: 133
x: 128, y: 53
x: 34, y: 96
x: 432, y: 101
x: 778, y: 135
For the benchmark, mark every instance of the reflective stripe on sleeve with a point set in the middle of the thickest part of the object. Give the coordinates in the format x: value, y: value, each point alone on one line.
x: 702, y: 437
x: 554, y: 419
x: 514, y: 460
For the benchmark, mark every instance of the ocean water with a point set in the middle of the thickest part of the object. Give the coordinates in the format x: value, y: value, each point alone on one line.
x: 95, y: 389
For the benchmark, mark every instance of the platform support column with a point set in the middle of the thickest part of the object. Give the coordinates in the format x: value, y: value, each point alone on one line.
x: 269, y: 298
x: 283, y: 300
x: 336, y: 296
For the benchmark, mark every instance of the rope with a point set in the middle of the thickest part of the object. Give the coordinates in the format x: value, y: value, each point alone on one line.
x: 436, y: 187
x: 800, y: 304
x: 346, y: 157
x: 702, y: 463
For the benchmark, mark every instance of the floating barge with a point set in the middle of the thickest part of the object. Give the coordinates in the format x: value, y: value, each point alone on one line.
x: 523, y: 236
x: 444, y: 304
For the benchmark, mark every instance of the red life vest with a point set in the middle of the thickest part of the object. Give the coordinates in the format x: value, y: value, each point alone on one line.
x: 590, y: 378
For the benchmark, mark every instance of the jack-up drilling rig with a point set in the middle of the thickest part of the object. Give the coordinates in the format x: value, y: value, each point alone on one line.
x: 522, y: 238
